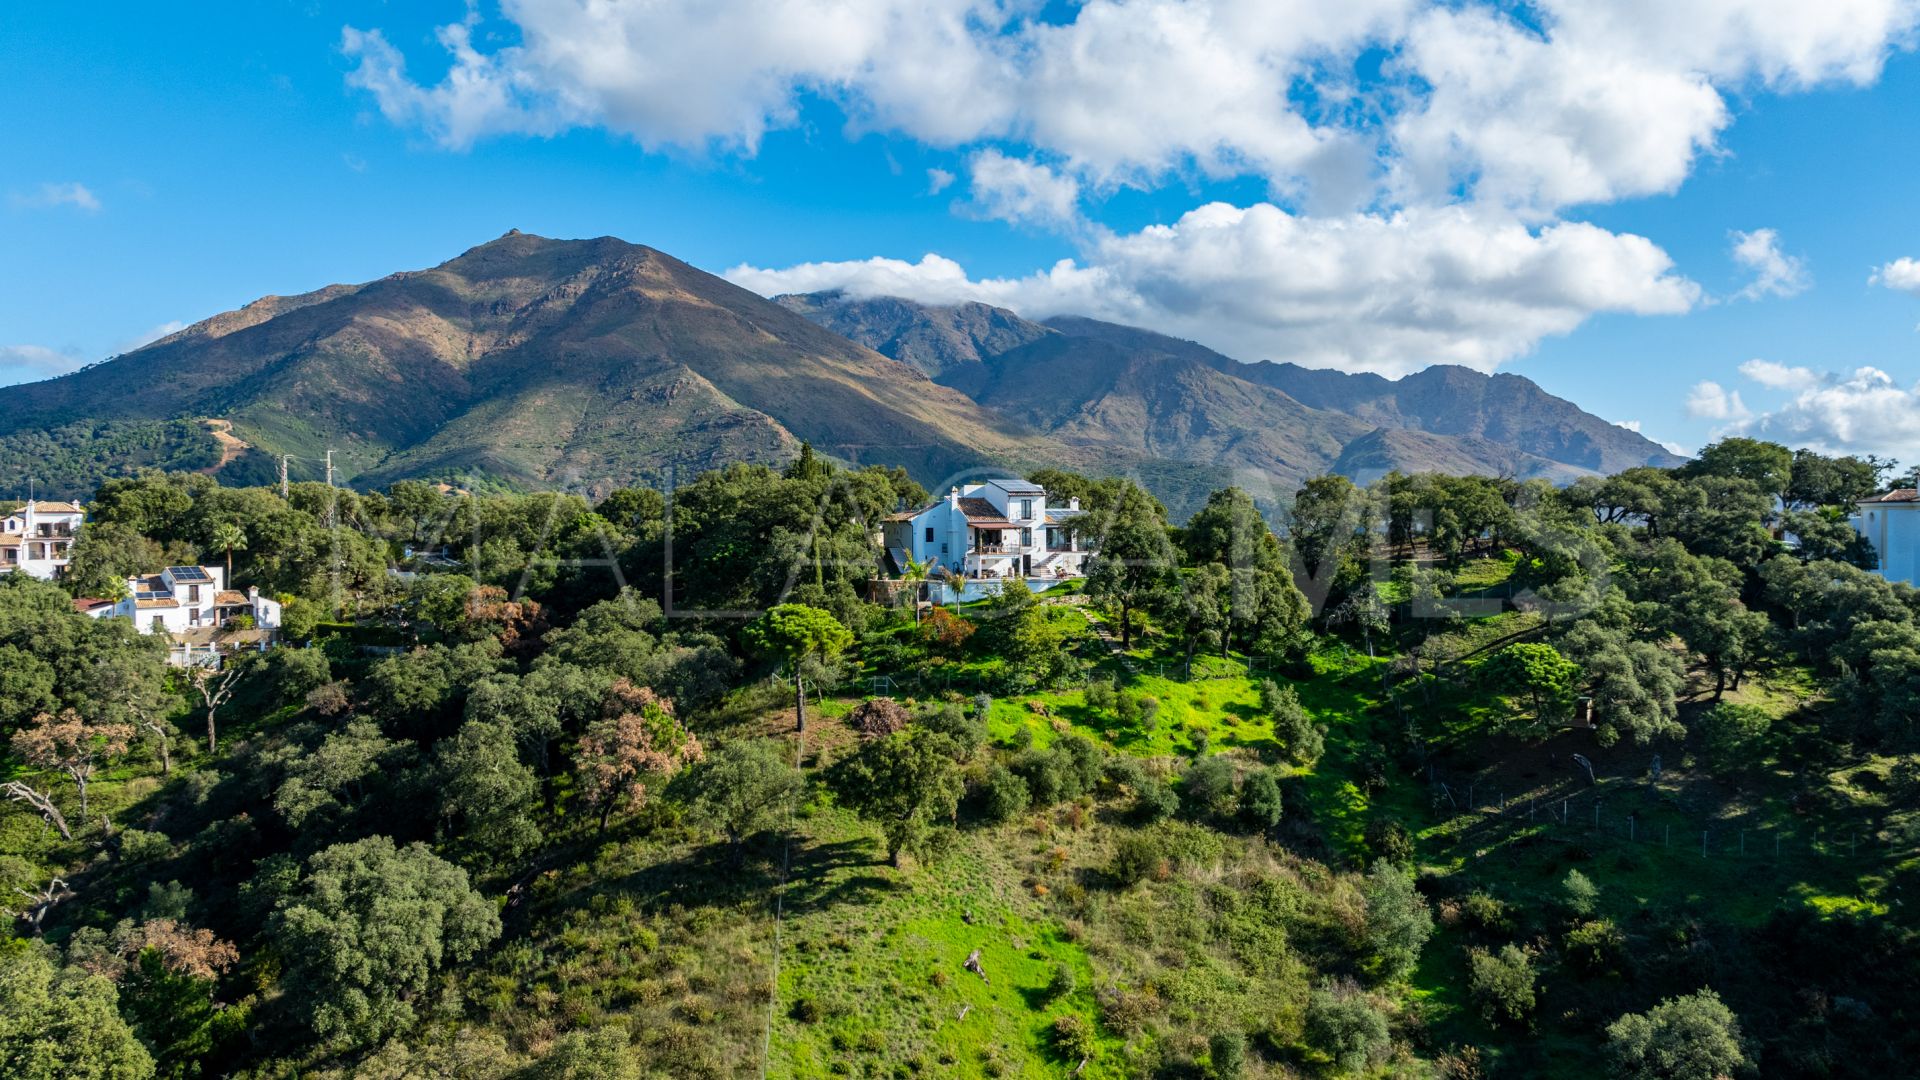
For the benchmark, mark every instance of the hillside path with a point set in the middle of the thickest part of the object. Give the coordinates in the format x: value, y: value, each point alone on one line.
x: 1101, y: 628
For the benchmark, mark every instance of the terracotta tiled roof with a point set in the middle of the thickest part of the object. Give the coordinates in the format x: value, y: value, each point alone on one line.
x: 85, y: 604
x: 229, y: 598
x: 155, y: 602
x: 56, y: 508
x: 1897, y: 495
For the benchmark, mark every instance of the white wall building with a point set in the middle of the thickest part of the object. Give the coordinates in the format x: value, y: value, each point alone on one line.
x: 194, y: 608
x: 35, y: 538
x: 1891, y: 523
x: 999, y: 530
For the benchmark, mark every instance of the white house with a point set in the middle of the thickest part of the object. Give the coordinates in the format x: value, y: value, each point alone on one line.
x: 998, y: 530
x: 194, y: 608
x: 1891, y: 523
x: 35, y: 538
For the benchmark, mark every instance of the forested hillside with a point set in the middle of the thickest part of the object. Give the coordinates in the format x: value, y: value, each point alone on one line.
x: 1455, y: 777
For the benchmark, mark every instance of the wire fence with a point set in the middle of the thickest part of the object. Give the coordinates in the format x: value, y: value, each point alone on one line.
x: 1629, y: 814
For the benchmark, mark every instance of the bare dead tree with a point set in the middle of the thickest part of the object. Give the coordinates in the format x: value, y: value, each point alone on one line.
x: 215, y: 686
x: 73, y: 744
x: 162, y: 735
x: 42, y: 902
x: 18, y: 791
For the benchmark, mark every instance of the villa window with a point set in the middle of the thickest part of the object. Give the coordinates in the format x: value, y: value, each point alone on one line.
x: 930, y: 534
x: 1026, y: 538
x: 1026, y: 508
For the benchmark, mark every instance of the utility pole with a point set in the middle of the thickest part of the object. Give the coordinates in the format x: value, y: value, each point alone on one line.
x: 283, y: 476
x: 332, y: 499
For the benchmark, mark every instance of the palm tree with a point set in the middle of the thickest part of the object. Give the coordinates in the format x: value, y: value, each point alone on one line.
x: 232, y: 537
x: 914, y: 574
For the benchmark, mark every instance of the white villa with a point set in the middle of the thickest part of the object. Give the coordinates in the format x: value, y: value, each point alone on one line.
x: 193, y: 607
x: 996, y: 531
x: 34, y: 539
x: 1891, y: 523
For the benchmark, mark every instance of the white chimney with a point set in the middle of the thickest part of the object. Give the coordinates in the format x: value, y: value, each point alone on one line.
x: 1073, y: 503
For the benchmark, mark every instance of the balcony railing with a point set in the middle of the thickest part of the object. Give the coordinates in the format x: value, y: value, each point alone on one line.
x: 995, y: 549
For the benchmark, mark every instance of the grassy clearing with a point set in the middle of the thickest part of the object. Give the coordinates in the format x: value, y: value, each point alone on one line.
x: 879, y: 987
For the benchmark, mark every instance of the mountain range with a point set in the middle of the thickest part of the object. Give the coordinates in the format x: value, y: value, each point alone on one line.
x: 591, y: 364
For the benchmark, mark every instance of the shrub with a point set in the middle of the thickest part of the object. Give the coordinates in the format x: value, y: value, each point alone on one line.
x: 1579, y: 893
x: 1343, y: 1025
x: 1154, y: 801
x: 1207, y: 789
x: 1046, y: 780
x: 1730, y: 736
x: 1063, y: 983
x: 1202, y: 740
x: 1126, y: 709
x: 1596, y: 947
x: 1397, y: 920
x: 967, y: 729
x: 329, y: 699
x: 1687, y: 1038
x: 1100, y: 696
x: 946, y: 631
x: 1072, y: 1037
x: 1293, y: 728
x: 1003, y: 795
x: 879, y: 716
x: 1388, y: 839
x: 1484, y: 911
x: 1149, y: 714
x: 1227, y: 1053
x: 1135, y: 858
x: 1260, y: 802
x: 1502, y: 982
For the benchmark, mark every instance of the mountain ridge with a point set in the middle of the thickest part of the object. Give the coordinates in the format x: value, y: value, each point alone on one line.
x: 590, y: 364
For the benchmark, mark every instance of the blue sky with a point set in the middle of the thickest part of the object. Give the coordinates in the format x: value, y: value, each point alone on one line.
x: 1552, y: 193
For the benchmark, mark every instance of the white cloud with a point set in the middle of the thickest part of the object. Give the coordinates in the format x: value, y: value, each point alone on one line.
x: 1389, y: 293
x: 150, y: 335
x: 939, y: 180
x: 1562, y: 102
x: 1776, y: 376
x: 1902, y: 274
x: 1775, y: 273
x: 74, y: 194
x: 23, y: 363
x: 1432, y: 185
x: 1022, y: 192
x: 1708, y: 400
x: 1668, y: 445
x: 1865, y: 411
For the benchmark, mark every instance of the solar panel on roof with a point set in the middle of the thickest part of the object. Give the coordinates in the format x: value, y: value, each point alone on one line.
x: 188, y: 574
